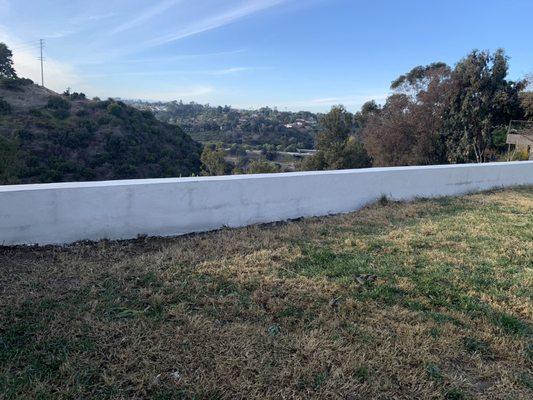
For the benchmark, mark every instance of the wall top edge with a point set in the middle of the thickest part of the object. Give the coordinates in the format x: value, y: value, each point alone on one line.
x: 282, y: 175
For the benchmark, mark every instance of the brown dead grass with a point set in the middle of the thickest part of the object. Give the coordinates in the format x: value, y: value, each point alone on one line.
x: 249, y: 313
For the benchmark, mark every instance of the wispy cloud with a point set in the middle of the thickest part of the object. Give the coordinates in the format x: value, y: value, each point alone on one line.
x: 151, y: 60
x: 353, y: 101
x: 228, y: 71
x: 216, y: 21
x: 4, y: 6
x: 146, y: 15
x: 98, y: 17
x: 347, y: 100
x: 78, y: 24
x: 60, y: 34
x: 214, y: 72
x: 184, y: 93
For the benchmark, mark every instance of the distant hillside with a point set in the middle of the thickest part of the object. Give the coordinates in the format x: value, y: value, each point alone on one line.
x: 283, y: 129
x: 47, y: 137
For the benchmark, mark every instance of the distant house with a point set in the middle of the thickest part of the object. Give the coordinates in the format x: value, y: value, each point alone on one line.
x: 297, y: 124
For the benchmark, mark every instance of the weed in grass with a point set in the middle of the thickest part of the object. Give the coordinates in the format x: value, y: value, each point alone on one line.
x: 454, y: 394
x: 274, y: 330
x: 321, y: 378
x: 511, y: 324
x: 442, y: 318
x: 434, y: 372
x: 361, y: 373
x: 529, y: 350
x: 383, y: 200
x: 526, y: 379
x: 473, y: 345
x: 291, y: 311
x: 435, y: 332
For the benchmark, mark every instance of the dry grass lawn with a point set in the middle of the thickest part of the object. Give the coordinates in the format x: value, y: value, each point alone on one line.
x: 277, y: 312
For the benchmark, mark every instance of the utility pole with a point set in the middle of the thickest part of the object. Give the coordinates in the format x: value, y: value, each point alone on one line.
x: 41, y: 42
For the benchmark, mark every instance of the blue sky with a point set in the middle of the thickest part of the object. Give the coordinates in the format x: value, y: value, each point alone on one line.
x: 293, y: 54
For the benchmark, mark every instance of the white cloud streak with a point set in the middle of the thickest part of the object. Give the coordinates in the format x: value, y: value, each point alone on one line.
x: 4, y: 6
x: 98, y: 17
x: 214, y: 22
x: 185, y: 93
x: 213, y: 72
x: 354, y: 101
x: 228, y: 71
x: 146, y: 15
x: 161, y: 59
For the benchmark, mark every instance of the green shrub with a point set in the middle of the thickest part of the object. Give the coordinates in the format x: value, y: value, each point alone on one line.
x: 5, y: 107
x: 14, y: 84
x: 82, y: 113
x: 35, y: 112
x: 10, y: 161
x: 104, y: 120
x: 24, y: 135
x: 114, y: 109
x: 88, y: 125
x: 58, y: 103
x: 77, y: 96
x: 61, y: 113
x: 148, y: 114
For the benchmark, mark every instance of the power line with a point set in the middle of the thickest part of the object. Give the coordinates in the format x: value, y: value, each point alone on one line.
x: 26, y: 43
x: 25, y: 47
x: 21, y: 45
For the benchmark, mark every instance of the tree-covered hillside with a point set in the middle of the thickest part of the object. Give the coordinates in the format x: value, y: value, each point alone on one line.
x: 227, y: 125
x: 46, y: 137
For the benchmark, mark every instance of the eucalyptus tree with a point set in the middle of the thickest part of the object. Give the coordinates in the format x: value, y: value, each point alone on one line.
x: 480, y: 100
x: 6, y: 62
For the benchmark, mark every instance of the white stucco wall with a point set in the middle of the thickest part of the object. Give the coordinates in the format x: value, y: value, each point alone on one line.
x: 67, y: 212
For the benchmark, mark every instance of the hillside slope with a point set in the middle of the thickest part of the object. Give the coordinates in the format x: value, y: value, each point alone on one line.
x: 266, y: 126
x: 47, y: 137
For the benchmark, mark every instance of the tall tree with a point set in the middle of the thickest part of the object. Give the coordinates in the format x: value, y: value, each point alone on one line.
x: 406, y: 131
x: 526, y: 98
x: 336, y: 147
x: 213, y: 162
x: 480, y: 100
x: 420, y: 78
x: 368, y: 109
x: 6, y: 62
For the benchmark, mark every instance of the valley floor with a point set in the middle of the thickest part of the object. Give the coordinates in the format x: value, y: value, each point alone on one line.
x: 283, y: 311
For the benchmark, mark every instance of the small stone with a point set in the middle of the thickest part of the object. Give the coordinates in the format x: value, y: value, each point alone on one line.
x: 274, y: 330
x: 365, y: 278
x: 334, y: 303
x: 175, y: 375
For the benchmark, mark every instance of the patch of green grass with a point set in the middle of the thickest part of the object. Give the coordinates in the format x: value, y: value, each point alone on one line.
x: 473, y: 345
x: 362, y: 373
x: 511, y: 324
x: 321, y: 378
x: 442, y: 285
x: 526, y: 379
x: 36, y: 356
x: 454, y: 394
x: 434, y: 372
